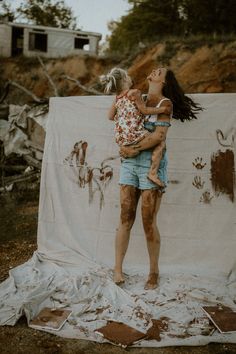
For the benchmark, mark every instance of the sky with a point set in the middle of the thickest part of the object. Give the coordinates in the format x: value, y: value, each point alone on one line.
x: 93, y: 15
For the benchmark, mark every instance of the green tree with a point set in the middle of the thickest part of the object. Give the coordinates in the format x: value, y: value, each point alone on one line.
x: 6, y: 11
x: 146, y: 21
x: 209, y: 16
x: 48, y: 13
x: 53, y: 13
x: 151, y: 20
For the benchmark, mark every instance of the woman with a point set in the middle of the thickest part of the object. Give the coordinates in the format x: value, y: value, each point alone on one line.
x: 164, y: 90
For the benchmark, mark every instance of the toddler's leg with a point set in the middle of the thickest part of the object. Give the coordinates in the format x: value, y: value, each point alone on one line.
x: 156, y: 159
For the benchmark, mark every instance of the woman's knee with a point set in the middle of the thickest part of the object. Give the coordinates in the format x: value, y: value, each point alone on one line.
x: 149, y: 228
x: 129, y: 200
x: 127, y: 215
x: 149, y: 221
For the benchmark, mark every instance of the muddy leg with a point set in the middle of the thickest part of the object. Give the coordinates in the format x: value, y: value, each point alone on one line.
x: 151, y: 200
x: 129, y: 197
x: 156, y: 159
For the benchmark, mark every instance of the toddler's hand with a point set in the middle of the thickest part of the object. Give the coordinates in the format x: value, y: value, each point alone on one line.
x: 165, y: 110
x: 134, y: 94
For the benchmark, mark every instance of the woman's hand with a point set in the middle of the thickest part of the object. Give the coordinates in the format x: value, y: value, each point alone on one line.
x: 128, y: 151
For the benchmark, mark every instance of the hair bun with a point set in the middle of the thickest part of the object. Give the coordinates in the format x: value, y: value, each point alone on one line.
x: 108, y: 80
x: 103, y: 79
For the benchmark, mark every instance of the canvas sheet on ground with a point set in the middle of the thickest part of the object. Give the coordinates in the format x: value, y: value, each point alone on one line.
x: 79, y: 213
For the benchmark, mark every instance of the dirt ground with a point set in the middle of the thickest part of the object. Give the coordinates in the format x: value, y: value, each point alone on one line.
x: 18, y: 229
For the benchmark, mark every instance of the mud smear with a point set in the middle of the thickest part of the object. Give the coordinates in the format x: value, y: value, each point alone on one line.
x: 174, y: 181
x: 129, y: 197
x: 223, y: 173
x: 96, y: 178
x: 120, y: 333
x: 158, y: 327
x: 223, y: 317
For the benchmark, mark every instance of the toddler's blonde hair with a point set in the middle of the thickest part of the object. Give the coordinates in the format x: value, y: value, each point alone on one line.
x: 114, y: 80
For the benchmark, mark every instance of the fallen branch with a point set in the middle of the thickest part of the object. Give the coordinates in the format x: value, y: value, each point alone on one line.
x: 56, y: 93
x: 5, y: 93
x: 29, y: 93
x: 84, y: 88
x: 32, y: 161
x: 4, y: 111
x: 21, y: 178
x: 33, y: 145
x: 13, y: 167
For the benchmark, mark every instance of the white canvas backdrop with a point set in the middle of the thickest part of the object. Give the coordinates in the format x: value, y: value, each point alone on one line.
x: 79, y: 214
x: 195, y: 236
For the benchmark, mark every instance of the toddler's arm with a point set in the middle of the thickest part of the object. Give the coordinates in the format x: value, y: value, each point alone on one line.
x: 135, y: 95
x: 166, y: 109
x: 112, y: 111
x: 151, y: 140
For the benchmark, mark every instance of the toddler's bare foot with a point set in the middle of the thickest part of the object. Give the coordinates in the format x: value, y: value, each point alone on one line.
x: 152, y: 282
x: 118, y: 278
x: 155, y: 179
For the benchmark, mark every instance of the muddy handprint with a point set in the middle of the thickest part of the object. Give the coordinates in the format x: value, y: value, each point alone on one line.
x: 206, y: 197
x: 198, y: 163
x: 197, y: 182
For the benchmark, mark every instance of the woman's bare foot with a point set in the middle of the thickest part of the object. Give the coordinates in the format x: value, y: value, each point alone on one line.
x: 152, y: 282
x: 155, y: 179
x: 118, y: 278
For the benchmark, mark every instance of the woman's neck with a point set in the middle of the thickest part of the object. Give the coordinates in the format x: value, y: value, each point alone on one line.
x: 154, y: 94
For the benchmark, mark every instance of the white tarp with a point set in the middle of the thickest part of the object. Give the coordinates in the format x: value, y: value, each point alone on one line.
x: 11, y: 131
x: 79, y: 213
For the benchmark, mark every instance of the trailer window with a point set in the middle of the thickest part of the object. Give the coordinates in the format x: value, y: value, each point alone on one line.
x: 38, y: 42
x: 81, y: 43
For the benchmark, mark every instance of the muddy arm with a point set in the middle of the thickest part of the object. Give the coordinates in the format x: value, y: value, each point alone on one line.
x: 148, y: 142
x: 151, y: 140
x: 166, y: 109
x: 135, y: 95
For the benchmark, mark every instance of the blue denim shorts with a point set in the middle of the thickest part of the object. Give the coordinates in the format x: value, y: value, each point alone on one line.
x: 134, y: 171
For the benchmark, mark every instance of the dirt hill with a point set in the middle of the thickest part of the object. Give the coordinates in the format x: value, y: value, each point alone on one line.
x: 199, y: 68
x: 203, y: 69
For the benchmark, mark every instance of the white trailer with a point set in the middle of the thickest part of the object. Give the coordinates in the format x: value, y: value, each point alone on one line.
x: 28, y: 40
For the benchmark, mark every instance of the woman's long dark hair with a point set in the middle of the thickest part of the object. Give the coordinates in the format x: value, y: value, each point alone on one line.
x: 184, y: 108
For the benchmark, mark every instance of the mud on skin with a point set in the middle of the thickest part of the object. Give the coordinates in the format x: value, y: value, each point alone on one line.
x: 129, y: 200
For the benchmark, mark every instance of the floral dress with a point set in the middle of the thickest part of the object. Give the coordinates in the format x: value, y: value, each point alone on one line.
x: 129, y: 122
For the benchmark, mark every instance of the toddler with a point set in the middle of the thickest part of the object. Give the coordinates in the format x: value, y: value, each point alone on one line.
x: 128, y: 111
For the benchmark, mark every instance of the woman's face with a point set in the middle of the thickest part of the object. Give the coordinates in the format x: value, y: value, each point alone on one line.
x: 157, y: 75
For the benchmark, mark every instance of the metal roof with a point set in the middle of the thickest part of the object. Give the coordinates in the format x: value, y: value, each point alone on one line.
x: 47, y: 28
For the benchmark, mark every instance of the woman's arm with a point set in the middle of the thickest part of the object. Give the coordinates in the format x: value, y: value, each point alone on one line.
x: 149, y: 141
x: 153, y: 139
x: 112, y: 111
